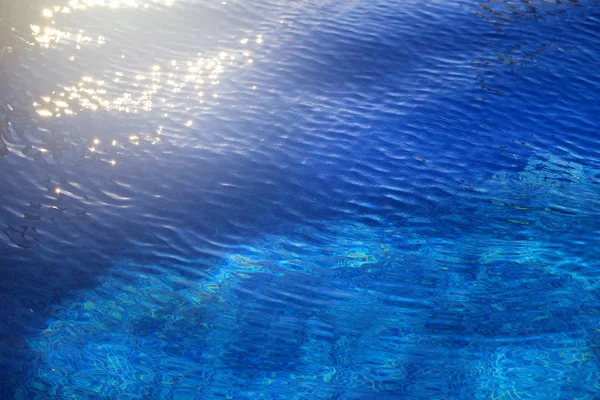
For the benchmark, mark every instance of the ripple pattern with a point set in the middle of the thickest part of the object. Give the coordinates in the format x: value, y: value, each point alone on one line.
x: 299, y: 199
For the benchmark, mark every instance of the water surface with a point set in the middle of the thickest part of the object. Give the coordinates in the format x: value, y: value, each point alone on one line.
x: 297, y: 199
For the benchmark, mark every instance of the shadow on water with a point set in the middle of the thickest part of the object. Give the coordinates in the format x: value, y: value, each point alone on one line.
x: 64, y: 252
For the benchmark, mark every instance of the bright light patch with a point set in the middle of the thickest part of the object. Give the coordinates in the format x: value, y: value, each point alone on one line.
x: 44, y: 113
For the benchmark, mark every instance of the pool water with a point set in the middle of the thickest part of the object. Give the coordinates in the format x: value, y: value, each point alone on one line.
x: 299, y: 199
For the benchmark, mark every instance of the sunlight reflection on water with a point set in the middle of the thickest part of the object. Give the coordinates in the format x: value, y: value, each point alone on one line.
x: 137, y: 90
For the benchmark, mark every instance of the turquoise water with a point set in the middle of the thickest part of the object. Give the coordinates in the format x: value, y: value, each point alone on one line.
x: 299, y: 200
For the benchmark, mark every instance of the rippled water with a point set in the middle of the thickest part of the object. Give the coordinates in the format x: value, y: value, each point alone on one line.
x: 299, y: 199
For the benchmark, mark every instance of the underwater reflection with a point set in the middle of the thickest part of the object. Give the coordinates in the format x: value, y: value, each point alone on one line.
x: 519, y: 51
x: 512, y: 11
x: 347, y: 309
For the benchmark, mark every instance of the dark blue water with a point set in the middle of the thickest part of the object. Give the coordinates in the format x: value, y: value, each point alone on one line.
x: 299, y: 199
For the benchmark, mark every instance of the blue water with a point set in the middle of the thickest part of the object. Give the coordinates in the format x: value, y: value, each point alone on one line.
x: 279, y: 199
